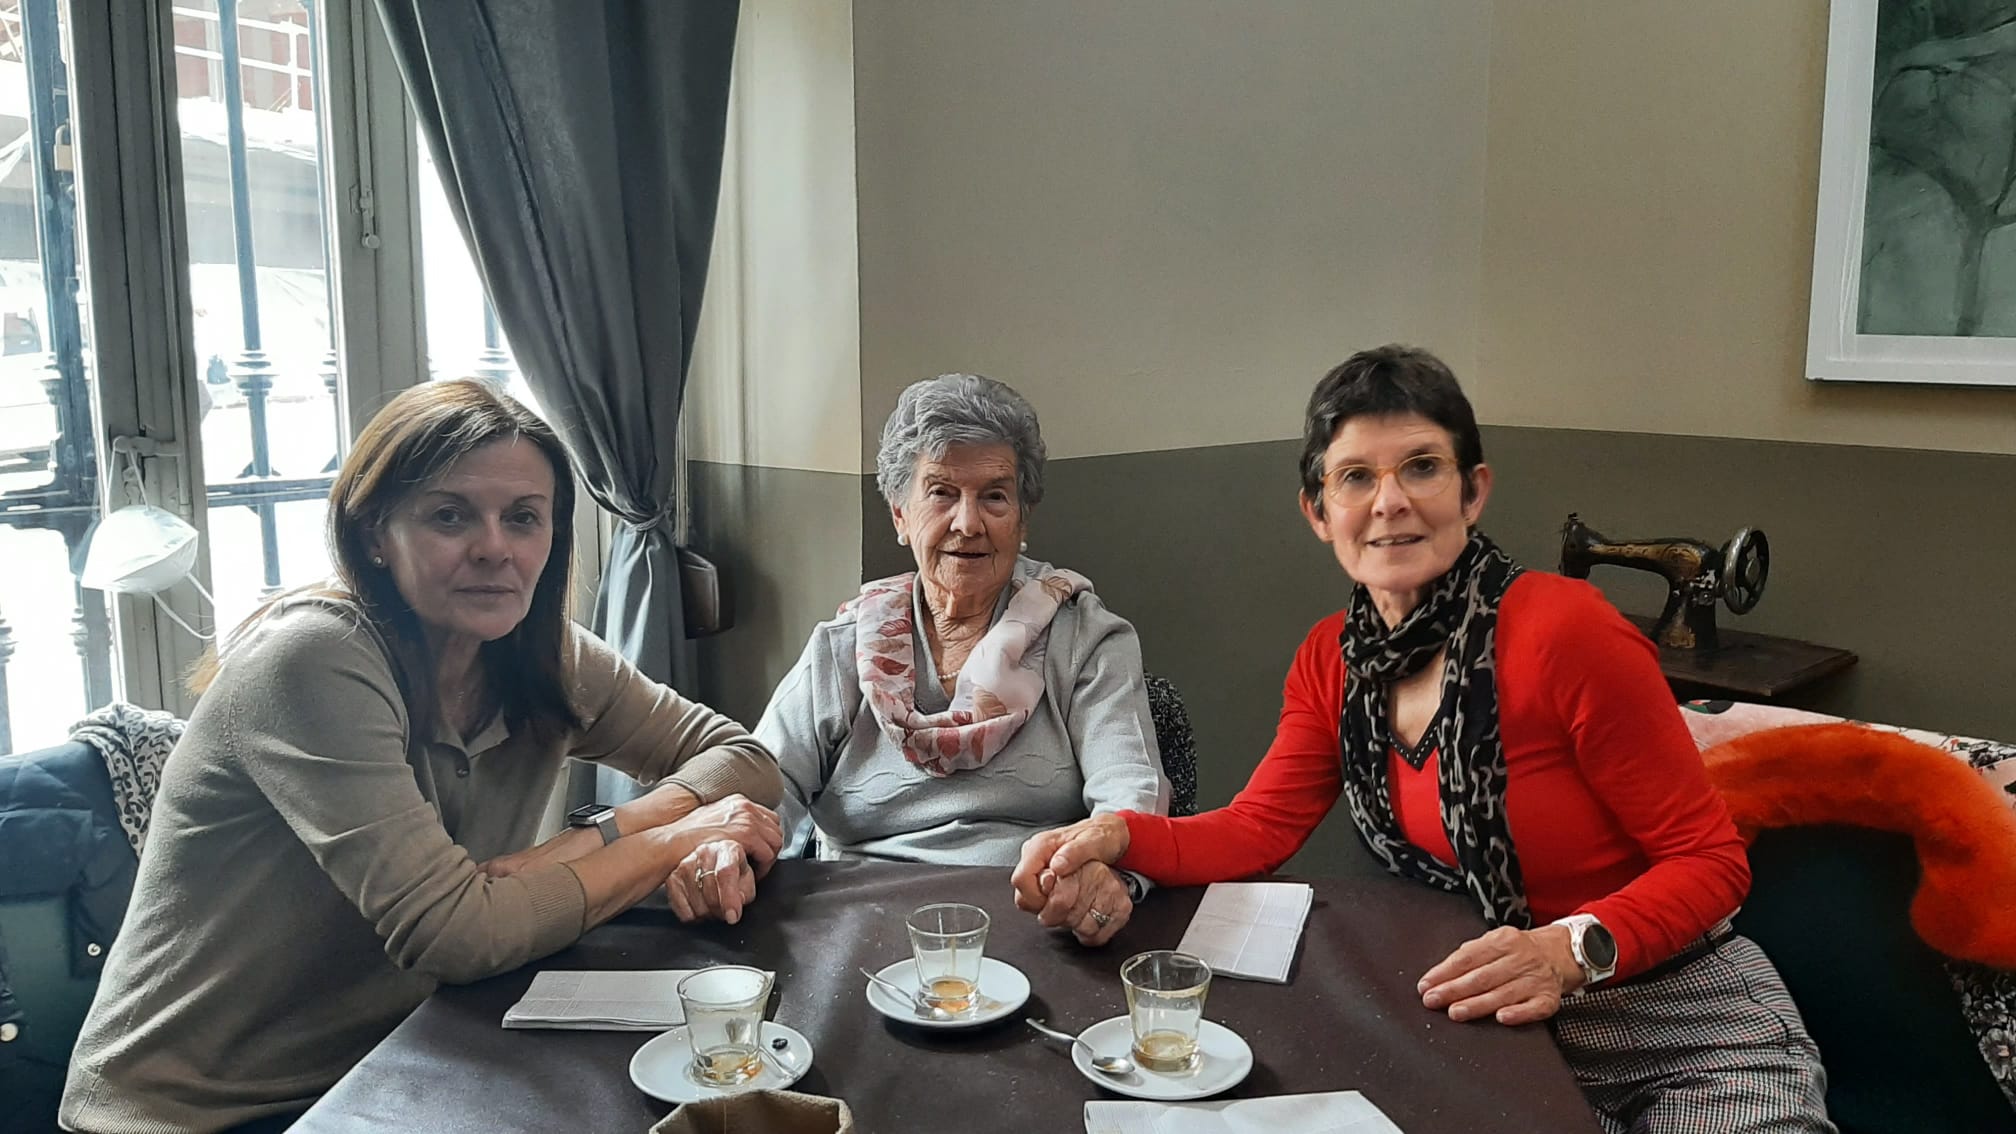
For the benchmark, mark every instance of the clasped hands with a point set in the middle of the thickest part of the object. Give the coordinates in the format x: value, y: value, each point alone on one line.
x: 721, y: 849
x: 1066, y: 878
x: 1511, y: 975
x: 735, y: 843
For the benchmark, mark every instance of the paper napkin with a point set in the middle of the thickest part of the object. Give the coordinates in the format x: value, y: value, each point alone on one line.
x: 1249, y: 929
x: 1331, y: 1112
x: 618, y: 1001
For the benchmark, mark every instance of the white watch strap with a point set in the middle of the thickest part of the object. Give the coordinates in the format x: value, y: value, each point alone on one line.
x: 1577, y: 925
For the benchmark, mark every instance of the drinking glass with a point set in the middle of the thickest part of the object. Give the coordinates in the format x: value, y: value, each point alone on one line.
x: 948, y: 939
x: 1165, y: 1005
x: 724, y: 1019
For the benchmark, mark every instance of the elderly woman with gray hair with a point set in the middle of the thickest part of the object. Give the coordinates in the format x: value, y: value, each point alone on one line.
x: 949, y: 713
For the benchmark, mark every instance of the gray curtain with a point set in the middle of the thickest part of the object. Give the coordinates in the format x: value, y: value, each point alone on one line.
x: 580, y: 144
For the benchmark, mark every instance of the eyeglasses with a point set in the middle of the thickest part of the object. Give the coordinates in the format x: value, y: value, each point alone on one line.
x: 1420, y: 477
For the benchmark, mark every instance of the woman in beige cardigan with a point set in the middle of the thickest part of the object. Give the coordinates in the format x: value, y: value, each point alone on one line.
x: 342, y: 826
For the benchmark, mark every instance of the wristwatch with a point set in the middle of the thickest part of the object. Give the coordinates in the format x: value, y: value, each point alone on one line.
x: 601, y: 816
x: 1137, y: 886
x: 1594, y: 947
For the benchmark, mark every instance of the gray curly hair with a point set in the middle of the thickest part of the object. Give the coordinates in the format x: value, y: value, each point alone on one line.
x: 959, y: 409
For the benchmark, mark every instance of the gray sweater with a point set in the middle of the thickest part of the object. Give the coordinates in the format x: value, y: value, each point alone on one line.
x: 1088, y: 747
x: 309, y: 878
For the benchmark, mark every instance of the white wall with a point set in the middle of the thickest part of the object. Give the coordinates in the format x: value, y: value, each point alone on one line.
x: 776, y: 377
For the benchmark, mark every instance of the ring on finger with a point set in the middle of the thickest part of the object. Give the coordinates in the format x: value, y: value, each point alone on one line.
x: 701, y: 876
x: 1102, y: 917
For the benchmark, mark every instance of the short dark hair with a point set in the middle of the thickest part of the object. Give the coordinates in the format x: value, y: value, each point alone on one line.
x: 1387, y: 381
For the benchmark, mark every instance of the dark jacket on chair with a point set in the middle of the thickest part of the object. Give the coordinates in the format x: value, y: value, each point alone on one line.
x: 60, y: 835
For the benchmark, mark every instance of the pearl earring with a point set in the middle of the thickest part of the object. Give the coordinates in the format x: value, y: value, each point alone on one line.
x: 1025, y: 545
x: 902, y: 540
x: 377, y: 561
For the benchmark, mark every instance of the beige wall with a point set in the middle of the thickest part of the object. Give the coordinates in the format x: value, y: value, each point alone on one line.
x: 1162, y: 219
x: 777, y: 361
x: 1648, y: 242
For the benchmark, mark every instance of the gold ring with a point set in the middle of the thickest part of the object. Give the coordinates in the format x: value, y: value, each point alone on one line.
x: 1101, y: 917
x: 701, y: 876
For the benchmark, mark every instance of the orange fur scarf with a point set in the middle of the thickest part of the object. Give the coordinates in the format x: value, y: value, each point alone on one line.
x: 1845, y: 774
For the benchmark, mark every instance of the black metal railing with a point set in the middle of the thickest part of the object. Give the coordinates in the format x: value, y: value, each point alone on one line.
x: 66, y: 502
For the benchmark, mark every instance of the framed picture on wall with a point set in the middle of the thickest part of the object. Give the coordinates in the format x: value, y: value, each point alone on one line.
x: 1914, y: 260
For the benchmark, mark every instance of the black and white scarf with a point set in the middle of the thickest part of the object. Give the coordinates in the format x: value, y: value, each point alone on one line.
x: 1460, y: 611
x: 134, y: 743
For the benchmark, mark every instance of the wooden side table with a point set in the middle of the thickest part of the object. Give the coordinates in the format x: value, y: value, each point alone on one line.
x: 1748, y: 667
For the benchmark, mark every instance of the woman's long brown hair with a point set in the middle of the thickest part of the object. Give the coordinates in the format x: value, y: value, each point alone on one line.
x: 409, y: 444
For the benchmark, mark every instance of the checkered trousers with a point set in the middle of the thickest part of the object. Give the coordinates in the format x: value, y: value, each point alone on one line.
x: 1715, y: 1046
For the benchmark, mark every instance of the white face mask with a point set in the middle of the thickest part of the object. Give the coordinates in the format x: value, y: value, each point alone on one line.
x: 140, y: 549
x: 143, y: 550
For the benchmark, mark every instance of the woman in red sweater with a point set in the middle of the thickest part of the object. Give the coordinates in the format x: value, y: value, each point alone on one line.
x: 1506, y: 734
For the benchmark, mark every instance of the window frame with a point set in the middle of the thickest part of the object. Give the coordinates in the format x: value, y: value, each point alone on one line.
x: 135, y: 241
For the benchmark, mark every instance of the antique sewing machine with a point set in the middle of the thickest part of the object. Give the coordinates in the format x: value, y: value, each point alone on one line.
x: 1697, y: 576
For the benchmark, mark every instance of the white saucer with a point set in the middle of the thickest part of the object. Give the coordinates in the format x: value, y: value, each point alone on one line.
x: 1227, y: 1059
x: 1000, y: 982
x: 662, y: 1067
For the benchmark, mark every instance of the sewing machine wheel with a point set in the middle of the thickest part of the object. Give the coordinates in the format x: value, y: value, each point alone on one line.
x: 1746, y: 563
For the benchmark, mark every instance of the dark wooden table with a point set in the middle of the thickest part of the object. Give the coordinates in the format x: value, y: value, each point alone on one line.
x: 1348, y: 1019
x: 1746, y: 666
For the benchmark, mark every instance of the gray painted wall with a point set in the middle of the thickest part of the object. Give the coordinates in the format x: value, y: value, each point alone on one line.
x: 788, y: 542
x: 1900, y: 555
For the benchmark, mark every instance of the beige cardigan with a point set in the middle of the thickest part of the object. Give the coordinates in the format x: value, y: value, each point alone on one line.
x: 307, y: 882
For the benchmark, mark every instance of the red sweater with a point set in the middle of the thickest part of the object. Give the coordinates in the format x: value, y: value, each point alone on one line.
x: 1610, y: 809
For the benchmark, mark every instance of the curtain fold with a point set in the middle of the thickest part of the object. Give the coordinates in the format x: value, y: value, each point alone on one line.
x: 579, y: 142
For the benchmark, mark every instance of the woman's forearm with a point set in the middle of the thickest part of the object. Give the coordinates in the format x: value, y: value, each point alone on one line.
x: 666, y: 803
x: 617, y: 876
x: 620, y: 875
x: 740, y: 766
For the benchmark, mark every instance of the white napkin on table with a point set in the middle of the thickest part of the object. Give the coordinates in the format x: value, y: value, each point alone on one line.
x: 1331, y: 1112
x: 1249, y: 929
x: 619, y: 1001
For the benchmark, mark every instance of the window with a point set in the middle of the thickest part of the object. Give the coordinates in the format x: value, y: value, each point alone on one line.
x: 55, y: 641
x: 252, y: 142
x: 318, y: 261
x: 463, y: 339
x: 288, y: 119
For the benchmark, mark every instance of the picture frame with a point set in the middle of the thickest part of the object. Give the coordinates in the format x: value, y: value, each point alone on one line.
x: 1837, y: 349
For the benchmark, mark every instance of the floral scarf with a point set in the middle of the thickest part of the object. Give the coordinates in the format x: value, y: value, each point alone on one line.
x: 997, y: 688
x: 1460, y: 612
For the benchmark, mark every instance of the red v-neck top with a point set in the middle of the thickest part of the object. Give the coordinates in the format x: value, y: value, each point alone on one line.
x: 1610, y: 809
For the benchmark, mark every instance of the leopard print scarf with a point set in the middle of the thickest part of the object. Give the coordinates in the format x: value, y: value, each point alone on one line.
x: 1460, y: 611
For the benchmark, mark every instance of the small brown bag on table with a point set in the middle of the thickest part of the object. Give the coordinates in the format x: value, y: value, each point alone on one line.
x: 760, y: 1112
